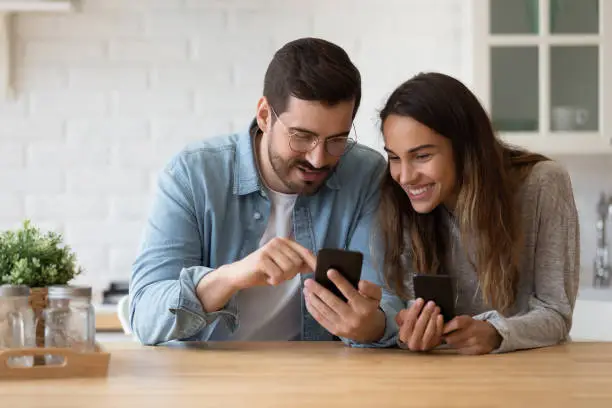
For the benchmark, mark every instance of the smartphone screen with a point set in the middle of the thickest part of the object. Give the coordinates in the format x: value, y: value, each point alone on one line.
x: 347, y: 263
x: 438, y: 288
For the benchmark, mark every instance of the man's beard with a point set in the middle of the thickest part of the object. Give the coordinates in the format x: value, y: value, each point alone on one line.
x: 284, y: 168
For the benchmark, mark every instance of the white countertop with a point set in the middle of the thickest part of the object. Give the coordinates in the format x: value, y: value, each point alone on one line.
x: 590, y: 293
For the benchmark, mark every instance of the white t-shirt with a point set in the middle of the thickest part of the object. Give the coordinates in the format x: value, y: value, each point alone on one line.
x: 272, y: 313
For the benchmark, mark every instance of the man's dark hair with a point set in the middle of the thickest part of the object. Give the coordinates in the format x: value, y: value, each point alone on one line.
x: 311, y: 69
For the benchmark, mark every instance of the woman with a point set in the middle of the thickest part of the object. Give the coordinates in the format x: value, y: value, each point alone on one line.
x: 500, y: 221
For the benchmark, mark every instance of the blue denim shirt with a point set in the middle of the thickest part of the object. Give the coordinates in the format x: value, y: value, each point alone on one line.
x: 210, y: 209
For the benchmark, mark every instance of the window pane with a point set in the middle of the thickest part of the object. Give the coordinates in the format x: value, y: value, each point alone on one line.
x: 574, y: 16
x: 514, y: 85
x: 514, y: 16
x: 574, y: 88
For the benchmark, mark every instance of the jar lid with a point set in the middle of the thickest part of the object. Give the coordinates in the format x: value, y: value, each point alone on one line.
x: 14, y: 290
x: 63, y: 292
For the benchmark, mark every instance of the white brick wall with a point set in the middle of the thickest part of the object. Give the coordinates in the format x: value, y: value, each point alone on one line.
x: 12, y: 155
x: 106, y: 95
x: 67, y: 207
x: 65, y: 103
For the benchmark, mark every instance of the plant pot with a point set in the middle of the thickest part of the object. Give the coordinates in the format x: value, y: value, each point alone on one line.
x: 38, y: 303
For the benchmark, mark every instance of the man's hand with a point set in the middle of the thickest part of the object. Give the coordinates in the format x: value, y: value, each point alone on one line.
x: 276, y: 262
x: 471, y: 336
x: 359, y: 319
x: 420, y: 326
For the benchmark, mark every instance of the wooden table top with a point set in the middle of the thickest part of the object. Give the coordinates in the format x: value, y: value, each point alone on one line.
x: 328, y: 375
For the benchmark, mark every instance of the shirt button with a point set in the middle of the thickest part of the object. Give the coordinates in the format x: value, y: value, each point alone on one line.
x: 257, y: 216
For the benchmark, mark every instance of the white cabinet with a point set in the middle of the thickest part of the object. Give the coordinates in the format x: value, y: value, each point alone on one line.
x: 592, y: 319
x: 543, y: 70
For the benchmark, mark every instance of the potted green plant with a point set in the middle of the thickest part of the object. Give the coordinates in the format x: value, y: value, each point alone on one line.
x: 38, y: 260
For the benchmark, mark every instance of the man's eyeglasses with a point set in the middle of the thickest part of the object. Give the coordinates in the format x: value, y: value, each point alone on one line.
x: 301, y: 142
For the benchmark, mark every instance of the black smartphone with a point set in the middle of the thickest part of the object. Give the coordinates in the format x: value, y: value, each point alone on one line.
x: 438, y: 288
x: 348, y: 263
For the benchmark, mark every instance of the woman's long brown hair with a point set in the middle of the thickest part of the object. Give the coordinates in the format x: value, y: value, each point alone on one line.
x: 489, y: 173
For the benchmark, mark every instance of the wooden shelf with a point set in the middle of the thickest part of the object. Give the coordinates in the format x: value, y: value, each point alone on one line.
x: 11, y: 6
x: 107, y: 319
x: 7, y: 9
x: 6, y: 88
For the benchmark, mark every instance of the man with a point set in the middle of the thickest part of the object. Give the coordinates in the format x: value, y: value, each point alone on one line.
x: 230, y: 243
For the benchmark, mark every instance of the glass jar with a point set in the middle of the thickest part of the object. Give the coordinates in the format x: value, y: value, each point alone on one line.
x: 69, y: 320
x: 17, y: 322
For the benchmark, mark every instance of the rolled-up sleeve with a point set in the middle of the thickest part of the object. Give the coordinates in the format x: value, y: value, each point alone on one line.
x: 163, y: 301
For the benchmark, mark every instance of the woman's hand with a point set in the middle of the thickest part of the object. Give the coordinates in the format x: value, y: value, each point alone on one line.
x: 471, y: 336
x: 421, y: 326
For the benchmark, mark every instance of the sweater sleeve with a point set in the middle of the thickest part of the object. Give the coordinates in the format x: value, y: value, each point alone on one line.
x: 548, y: 318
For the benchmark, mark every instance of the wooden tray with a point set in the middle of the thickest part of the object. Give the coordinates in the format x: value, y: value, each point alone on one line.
x: 75, y: 364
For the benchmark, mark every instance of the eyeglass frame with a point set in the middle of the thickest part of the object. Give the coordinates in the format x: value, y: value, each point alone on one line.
x: 317, y: 138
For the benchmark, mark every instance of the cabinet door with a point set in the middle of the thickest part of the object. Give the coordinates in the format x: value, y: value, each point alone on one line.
x: 574, y: 65
x: 574, y: 88
x: 574, y: 16
x: 542, y: 70
x: 514, y: 88
x: 514, y: 17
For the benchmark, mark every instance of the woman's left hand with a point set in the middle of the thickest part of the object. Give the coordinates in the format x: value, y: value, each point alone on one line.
x: 471, y: 336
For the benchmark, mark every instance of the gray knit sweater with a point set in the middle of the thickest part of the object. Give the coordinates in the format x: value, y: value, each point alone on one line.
x: 550, y: 266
